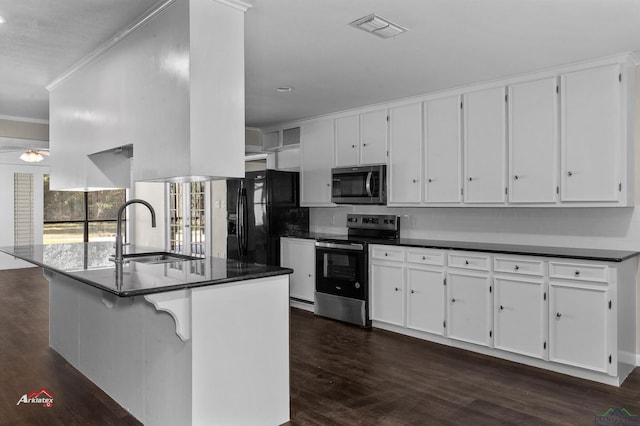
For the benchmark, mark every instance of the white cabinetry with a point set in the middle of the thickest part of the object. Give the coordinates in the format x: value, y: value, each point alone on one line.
x: 533, y: 141
x: 299, y: 255
x: 592, y: 134
x: 316, y: 158
x: 520, y: 306
x: 361, y: 139
x: 443, y: 149
x: 469, y: 298
x: 425, y: 290
x: 580, y: 316
x: 484, y: 146
x: 405, y: 144
x: 386, y: 279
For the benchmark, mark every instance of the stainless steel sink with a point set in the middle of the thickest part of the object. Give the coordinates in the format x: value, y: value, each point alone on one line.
x: 157, y: 257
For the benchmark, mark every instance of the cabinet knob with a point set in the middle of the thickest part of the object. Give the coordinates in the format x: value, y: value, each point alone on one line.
x: 364, y: 144
x: 501, y: 307
x: 386, y: 254
x: 328, y: 184
x: 429, y: 180
x: 397, y: 289
x: 309, y: 275
x: 453, y: 299
x: 569, y: 173
x: 353, y: 146
x: 466, y: 262
x: 424, y: 257
x: 577, y: 273
x: 558, y: 314
x: 412, y: 291
x: 414, y: 180
x: 516, y: 267
x: 515, y: 177
x: 470, y: 179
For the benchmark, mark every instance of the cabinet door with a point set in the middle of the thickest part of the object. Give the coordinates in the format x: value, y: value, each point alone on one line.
x: 270, y: 140
x: 373, y: 137
x: 484, y: 146
x: 578, y: 325
x: 425, y: 300
x: 404, y: 161
x: 387, y: 285
x: 299, y: 255
x: 443, y: 147
x: 469, y: 308
x: 591, y: 134
x: 520, y: 316
x: 533, y: 141
x: 347, y: 141
x: 316, y: 159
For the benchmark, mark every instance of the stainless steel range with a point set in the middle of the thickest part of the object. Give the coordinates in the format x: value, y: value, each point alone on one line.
x: 342, y: 281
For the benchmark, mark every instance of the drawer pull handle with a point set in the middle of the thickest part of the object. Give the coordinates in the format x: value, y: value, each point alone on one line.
x: 577, y: 273
x: 453, y: 299
x: 466, y: 262
x: 558, y: 314
x: 516, y: 267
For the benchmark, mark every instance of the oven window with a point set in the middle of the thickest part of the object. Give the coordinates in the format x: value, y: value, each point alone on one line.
x: 340, y: 266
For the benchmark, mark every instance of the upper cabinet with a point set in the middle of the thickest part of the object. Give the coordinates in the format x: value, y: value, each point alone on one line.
x: 443, y: 150
x: 484, y: 146
x: 533, y: 141
x: 405, y: 144
x: 158, y: 87
x: 361, y: 139
x: 592, y: 132
x: 316, y: 158
x: 557, y: 138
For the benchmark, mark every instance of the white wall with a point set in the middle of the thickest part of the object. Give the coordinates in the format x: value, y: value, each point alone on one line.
x: 6, y: 211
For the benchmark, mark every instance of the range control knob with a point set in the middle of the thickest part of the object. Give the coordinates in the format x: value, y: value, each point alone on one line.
x: 357, y: 285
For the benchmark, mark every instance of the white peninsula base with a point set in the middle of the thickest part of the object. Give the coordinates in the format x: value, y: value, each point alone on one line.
x: 220, y: 358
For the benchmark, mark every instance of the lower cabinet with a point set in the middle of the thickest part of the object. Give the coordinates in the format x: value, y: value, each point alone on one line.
x: 578, y: 325
x: 469, y: 307
x: 387, y: 292
x: 576, y: 317
x: 300, y: 255
x: 520, y: 316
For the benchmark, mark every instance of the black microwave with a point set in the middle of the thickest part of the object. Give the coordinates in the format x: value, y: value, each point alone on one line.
x: 359, y: 185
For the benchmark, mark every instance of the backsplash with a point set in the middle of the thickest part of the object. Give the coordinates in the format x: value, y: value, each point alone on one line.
x: 607, y: 228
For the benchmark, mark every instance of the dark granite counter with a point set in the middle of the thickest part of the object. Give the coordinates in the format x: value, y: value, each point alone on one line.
x: 89, y: 263
x: 519, y: 249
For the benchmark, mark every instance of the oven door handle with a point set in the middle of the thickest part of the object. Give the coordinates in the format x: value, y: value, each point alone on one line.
x: 368, y: 184
x: 352, y: 247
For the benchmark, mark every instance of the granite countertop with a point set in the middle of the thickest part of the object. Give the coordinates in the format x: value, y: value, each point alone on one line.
x: 89, y: 263
x: 519, y: 249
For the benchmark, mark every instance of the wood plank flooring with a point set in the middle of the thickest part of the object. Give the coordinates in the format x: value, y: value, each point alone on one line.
x: 340, y: 375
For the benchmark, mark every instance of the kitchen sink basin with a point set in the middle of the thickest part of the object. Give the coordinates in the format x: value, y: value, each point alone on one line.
x: 157, y: 257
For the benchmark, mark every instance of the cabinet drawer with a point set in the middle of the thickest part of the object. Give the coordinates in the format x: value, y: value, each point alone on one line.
x: 469, y: 261
x: 426, y: 257
x: 387, y: 253
x: 579, y: 271
x: 518, y: 266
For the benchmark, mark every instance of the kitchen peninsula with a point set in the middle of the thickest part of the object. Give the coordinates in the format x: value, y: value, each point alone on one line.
x: 173, y: 340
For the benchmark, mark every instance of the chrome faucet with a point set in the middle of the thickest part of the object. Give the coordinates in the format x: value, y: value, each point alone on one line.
x: 119, y: 256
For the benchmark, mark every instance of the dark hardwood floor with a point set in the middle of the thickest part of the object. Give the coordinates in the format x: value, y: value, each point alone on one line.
x: 340, y: 375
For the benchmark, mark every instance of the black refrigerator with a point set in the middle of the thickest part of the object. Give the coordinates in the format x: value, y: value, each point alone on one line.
x: 260, y: 209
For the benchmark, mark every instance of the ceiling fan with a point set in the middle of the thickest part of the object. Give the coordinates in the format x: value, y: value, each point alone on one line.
x: 32, y: 151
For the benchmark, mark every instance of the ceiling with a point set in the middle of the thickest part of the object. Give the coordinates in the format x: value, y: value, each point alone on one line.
x: 310, y: 46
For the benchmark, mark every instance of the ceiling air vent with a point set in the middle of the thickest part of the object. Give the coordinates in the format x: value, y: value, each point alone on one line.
x: 379, y: 26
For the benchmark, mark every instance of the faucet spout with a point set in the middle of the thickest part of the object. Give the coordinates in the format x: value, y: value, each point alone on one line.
x: 119, y: 240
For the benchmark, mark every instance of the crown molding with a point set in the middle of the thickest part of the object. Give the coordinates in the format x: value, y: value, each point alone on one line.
x: 23, y: 119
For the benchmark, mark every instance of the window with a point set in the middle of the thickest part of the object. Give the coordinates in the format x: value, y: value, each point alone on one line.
x: 188, y: 211
x: 23, y: 229
x: 73, y: 216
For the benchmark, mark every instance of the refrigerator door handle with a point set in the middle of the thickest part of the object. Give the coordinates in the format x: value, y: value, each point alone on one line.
x: 368, y: 184
x: 243, y: 244
x: 239, y: 221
